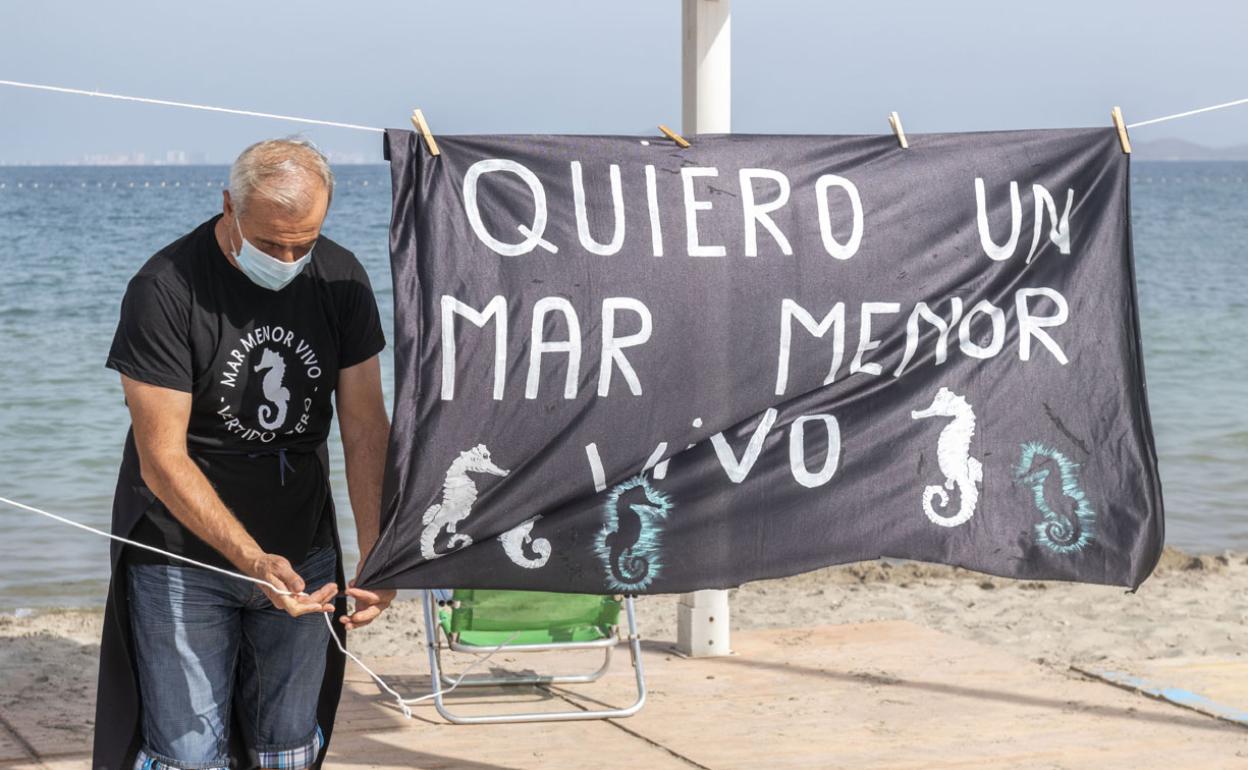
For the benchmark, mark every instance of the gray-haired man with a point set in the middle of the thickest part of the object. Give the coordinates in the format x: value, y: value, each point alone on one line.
x: 234, y: 342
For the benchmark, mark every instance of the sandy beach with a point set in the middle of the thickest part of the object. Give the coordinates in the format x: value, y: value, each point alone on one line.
x: 1191, y: 605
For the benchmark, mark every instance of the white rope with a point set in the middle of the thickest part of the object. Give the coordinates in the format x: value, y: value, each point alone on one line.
x: 357, y: 127
x: 1178, y: 115
x: 111, y: 536
x: 166, y: 103
x: 403, y: 702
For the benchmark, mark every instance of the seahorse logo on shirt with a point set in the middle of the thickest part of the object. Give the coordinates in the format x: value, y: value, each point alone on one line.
x: 274, y: 368
x: 291, y: 382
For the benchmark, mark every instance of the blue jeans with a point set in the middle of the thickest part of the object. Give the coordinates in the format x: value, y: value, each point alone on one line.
x: 196, y: 634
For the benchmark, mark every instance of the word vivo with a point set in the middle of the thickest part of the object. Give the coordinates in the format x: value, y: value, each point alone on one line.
x: 756, y: 212
x: 738, y: 467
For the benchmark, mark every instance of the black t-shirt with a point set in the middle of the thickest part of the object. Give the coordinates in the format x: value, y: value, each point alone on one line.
x: 261, y: 367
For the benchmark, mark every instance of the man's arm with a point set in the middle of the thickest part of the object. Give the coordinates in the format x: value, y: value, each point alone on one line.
x: 159, y: 417
x: 365, y: 428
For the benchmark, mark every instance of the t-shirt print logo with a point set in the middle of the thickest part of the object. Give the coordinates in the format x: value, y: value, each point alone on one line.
x: 275, y: 365
x: 267, y: 385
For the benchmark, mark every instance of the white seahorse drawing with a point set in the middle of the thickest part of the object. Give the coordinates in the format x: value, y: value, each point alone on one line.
x: 273, y: 390
x: 517, y: 537
x: 953, y: 454
x: 459, y: 492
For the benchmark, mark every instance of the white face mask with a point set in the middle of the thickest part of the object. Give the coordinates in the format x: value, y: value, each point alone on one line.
x: 263, y: 270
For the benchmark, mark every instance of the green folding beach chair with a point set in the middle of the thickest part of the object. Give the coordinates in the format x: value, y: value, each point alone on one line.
x: 478, y: 621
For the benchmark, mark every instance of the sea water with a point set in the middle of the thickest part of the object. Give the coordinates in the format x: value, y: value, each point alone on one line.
x: 71, y: 237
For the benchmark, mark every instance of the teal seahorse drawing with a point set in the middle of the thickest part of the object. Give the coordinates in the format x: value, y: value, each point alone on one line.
x: 628, y: 543
x: 1061, y: 533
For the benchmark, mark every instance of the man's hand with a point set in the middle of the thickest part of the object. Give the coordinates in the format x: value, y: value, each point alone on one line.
x: 278, y: 571
x: 365, y: 431
x: 368, y: 605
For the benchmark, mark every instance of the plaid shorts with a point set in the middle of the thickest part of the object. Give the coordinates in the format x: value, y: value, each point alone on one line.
x: 297, y: 758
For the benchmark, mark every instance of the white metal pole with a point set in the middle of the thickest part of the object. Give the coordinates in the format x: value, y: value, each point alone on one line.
x: 706, y: 95
x: 706, y: 60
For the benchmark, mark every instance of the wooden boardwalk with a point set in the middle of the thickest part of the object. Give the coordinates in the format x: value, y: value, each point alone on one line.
x: 874, y: 695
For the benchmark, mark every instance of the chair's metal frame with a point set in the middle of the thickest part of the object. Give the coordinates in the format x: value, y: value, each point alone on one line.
x: 441, y: 679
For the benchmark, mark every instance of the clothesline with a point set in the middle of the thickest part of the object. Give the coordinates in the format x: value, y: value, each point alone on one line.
x: 358, y: 127
x: 188, y: 105
x: 1177, y: 115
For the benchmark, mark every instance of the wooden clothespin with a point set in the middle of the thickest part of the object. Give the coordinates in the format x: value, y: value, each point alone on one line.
x: 675, y: 137
x: 418, y: 120
x: 1121, y: 125
x: 894, y: 120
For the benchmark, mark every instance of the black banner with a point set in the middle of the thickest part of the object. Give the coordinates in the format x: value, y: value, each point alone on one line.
x: 622, y: 366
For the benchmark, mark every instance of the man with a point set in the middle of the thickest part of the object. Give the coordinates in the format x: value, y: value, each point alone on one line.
x: 231, y: 342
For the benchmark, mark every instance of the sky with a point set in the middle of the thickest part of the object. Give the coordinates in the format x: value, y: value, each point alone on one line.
x: 571, y: 66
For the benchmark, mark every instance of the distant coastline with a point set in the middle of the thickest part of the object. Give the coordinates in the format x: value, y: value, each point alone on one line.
x: 1182, y: 150
x: 81, y: 164
x: 1164, y: 149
